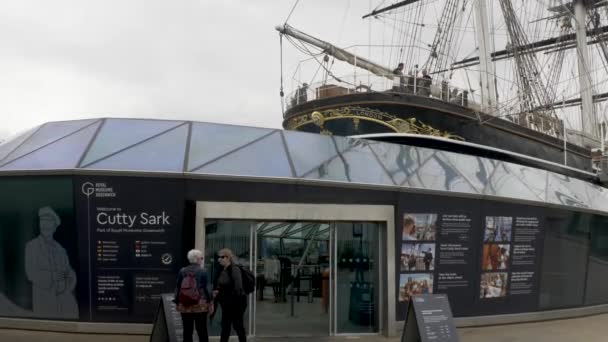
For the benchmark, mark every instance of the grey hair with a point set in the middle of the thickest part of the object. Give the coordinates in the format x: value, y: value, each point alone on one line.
x: 193, y: 255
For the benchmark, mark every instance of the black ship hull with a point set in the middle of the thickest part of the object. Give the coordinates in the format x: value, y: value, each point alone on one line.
x: 369, y: 113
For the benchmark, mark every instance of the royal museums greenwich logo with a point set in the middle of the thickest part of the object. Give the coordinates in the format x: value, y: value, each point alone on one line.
x: 98, y: 189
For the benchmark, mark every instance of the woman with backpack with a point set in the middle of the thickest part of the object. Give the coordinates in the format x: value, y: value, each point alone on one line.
x: 192, y: 298
x: 231, y: 295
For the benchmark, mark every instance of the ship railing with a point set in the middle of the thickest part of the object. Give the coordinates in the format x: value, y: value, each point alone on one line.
x: 353, y: 84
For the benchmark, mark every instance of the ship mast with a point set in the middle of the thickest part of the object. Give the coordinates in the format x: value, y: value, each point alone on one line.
x: 488, y: 86
x: 588, y: 118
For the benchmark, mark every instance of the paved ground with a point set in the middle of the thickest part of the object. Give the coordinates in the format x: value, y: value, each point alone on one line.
x: 588, y: 329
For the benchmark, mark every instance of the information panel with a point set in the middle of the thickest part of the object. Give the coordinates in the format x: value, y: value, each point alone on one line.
x: 134, y: 229
x: 436, y: 256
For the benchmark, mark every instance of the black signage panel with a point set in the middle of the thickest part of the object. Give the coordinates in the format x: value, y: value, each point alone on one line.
x: 437, y: 250
x: 510, y: 258
x: 429, y: 319
x: 133, y: 240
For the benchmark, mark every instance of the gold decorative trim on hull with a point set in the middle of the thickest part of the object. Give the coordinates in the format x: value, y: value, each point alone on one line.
x: 359, y: 114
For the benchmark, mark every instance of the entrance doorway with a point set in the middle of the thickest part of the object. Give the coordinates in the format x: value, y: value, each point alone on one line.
x: 313, y: 278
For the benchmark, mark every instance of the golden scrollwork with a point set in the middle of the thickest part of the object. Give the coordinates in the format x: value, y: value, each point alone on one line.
x: 358, y: 114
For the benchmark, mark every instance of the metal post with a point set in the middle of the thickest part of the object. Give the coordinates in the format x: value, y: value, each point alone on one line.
x: 415, y: 77
x: 565, y: 157
x: 355, y: 67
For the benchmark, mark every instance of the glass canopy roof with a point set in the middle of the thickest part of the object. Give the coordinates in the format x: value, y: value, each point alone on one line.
x: 207, y: 148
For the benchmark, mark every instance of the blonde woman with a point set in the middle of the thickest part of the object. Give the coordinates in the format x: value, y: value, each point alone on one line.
x: 231, y: 296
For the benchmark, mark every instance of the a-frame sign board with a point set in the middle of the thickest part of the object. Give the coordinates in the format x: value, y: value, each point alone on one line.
x: 429, y: 319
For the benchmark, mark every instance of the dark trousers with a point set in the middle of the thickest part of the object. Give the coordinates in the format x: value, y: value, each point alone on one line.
x: 233, y: 314
x: 198, y: 320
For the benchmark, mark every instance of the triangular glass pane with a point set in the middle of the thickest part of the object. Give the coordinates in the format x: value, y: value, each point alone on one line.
x: 118, y: 134
x: 162, y: 153
x: 332, y: 170
x: 264, y: 158
x: 14, y: 141
x: 393, y: 157
x: 566, y: 191
x: 471, y: 168
x: 309, y: 151
x: 62, y: 154
x: 436, y: 174
x: 508, y: 180
x: 361, y: 164
x: 209, y: 141
x: 48, y: 133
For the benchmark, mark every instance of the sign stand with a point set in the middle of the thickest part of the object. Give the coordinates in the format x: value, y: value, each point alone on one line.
x: 166, y: 321
x: 429, y: 319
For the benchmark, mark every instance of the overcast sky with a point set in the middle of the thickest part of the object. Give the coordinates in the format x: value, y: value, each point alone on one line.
x: 200, y: 60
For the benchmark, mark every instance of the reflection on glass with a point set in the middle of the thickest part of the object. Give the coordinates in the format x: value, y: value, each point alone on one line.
x: 469, y: 167
x: 564, y: 256
x: 219, y: 234
x: 357, y: 277
x: 566, y: 191
x: 507, y: 181
x: 300, y: 146
x: 362, y: 166
x: 391, y: 156
x: 438, y: 173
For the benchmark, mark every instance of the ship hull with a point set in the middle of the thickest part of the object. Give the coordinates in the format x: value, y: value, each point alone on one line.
x: 369, y: 113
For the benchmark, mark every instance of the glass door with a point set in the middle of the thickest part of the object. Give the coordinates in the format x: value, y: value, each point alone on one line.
x: 293, y: 269
x: 356, y: 284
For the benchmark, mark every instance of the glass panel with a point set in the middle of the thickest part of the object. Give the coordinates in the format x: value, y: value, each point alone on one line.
x: 62, y: 154
x: 516, y: 181
x: 265, y: 158
x: 118, y: 134
x: 597, y: 273
x: 471, y: 168
x: 597, y: 196
x: 392, y: 156
x: 209, y: 141
x: 48, y: 133
x: 293, y: 279
x: 300, y: 146
x: 357, y: 277
x: 601, y: 202
x: 438, y: 174
x: 564, y: 256
x: 13, y: 142
x: 219, y: 234
x: 163, y: 153
x: 566, y: 190
x: 361, y: 164
x: 332, y: 169
x: 412, y: 159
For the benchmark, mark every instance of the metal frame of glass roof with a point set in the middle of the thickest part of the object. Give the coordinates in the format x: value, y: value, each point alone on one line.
x: 199, y: 148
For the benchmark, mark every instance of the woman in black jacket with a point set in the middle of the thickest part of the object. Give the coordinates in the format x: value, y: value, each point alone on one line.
x: 231, y: 296
x: 193, y: 314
